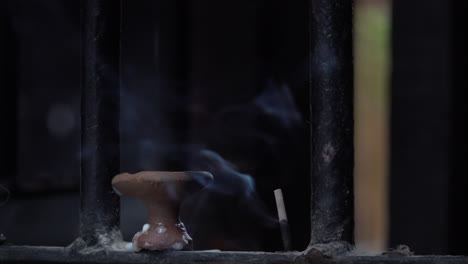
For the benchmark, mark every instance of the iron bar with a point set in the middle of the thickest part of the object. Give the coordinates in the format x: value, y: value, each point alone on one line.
x: 100, y: 117
x: 332, y: 157
x: 10, y: 254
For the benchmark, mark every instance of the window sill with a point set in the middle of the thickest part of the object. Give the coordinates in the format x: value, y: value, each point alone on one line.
x: 29, y: 254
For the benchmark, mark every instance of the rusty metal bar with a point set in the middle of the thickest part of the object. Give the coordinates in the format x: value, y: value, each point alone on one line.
x: 9, y: 254
x: 332, y: 157
x: 100, y: 117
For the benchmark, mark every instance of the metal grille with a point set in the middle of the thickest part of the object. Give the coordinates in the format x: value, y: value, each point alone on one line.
x: 331, y: 91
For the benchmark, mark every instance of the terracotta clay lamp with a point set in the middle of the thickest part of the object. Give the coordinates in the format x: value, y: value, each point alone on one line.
x: 161, y: 192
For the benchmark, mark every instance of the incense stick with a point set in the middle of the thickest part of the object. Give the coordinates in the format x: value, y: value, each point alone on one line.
x: 283, y: 219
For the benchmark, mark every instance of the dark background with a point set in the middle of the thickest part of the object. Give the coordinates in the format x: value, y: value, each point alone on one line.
x: 429, y: 178
x: 207, y: 84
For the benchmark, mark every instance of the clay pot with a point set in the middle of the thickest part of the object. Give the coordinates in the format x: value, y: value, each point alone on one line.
x: 162, y: 192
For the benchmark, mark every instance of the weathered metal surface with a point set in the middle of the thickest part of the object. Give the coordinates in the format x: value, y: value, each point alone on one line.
x: 10, y: 254
x: 66, y: 255
x: 100, y: 151
x: 331, y: 77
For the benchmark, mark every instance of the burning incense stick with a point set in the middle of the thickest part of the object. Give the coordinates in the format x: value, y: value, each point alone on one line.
x: 283, y: 219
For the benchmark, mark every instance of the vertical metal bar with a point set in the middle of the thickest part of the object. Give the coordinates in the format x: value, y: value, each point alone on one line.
x: 331, y: 80
x: 100, y: 117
